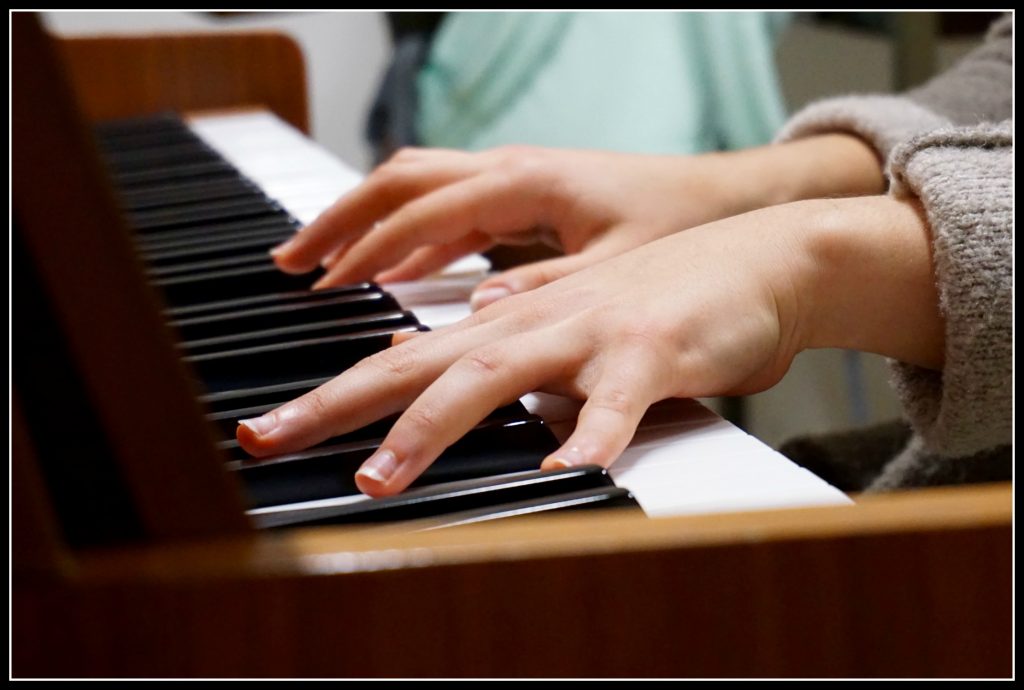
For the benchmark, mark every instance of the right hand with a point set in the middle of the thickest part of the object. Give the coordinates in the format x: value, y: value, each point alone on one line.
x: 425, y: 208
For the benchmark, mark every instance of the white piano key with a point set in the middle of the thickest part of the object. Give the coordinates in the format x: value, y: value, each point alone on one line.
x: 298, y: 174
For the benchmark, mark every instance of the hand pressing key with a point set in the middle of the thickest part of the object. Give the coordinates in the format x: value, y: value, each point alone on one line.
x: 721, y: 309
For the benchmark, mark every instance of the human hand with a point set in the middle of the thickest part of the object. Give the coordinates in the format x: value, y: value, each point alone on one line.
x: 721, y: 309
x: 425, y: 208
x: 708, y: 311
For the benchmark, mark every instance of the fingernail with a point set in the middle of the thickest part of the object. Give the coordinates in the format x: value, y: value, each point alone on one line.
x: 380, y: 466
x: 481, y: 298
x: 568, y: 457
x: 281, y: 248
x: 261, y: 426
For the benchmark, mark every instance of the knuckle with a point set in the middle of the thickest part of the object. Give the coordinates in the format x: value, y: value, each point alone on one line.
x: 403, y: 154
x: 647, y: 335
x: 387, y: 177
x: 315, y: 404
x: 422, y: 419
x: 396, y: 361
x: 549, y: 273
x: 486, y: 361
x: 613, y: 400
x: 518, y: 160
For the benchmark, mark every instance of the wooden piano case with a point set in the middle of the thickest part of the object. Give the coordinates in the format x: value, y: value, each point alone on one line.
x: 150, y: 568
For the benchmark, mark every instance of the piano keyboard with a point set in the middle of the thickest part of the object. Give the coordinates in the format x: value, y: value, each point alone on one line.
x: 255, y: 338
x: 204, y: 231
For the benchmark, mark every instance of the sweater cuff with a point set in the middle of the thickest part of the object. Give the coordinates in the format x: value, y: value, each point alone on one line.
x: 881, y: 121
x: 962, y: 177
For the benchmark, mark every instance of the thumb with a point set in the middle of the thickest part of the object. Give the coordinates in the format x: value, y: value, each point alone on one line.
x: 525, y: 278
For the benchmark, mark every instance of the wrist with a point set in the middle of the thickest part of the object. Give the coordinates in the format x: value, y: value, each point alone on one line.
x: 871, y: 285
x: 824, y: 166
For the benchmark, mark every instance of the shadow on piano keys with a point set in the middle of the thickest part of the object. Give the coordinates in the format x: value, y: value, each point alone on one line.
x: 917, y: 584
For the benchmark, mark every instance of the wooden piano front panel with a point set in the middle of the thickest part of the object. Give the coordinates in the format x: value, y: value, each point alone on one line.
x: 917, y: 584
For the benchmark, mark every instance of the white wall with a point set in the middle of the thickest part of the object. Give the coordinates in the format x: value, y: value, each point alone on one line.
x: 345, y: 54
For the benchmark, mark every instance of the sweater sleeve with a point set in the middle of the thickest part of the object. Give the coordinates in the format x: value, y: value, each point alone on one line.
x: 977, y: 89
x: 963, y: 178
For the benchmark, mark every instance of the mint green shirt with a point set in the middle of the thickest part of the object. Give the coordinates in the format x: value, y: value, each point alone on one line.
x: 645, y: 82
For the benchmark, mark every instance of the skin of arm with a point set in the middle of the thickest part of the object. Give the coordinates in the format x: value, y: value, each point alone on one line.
x: 425, y: 208
x: 721, y: 309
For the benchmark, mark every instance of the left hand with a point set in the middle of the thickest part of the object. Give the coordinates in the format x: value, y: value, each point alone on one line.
x: 424, y: 208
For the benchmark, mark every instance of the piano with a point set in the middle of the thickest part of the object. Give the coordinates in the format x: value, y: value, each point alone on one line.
x: 568, y: 594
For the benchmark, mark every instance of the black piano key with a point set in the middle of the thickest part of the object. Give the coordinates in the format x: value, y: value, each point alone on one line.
x: 128, y: 126
x: 312, y: 307
x: 302, y: 331
x: 601, y: 497
x: 261, y: 242
x: 177, y: 217
x: 129, y: 159
x: 442, y: 499
x: 221, y: 231
x: 214, y: 243
x: 283, y: 362
x: 277, y: 393
x: 185, y: 193
x: 233, y: 283
x: 145, y: 139
x: 236, y: 260
x: 329, y: 471
x: 206, y: 170
x: 271, y: 299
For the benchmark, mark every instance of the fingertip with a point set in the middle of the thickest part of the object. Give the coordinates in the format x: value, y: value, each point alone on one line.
x: 370, y: 485
x: 555, y: 463
x: 283, y: 259
x: 254, y: 435
x: 569, y: 455
x: 402, y: 336
x: 374, y: 475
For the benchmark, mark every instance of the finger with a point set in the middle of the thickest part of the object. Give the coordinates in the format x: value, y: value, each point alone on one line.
x: 386, y: 189
x: 404, y: 336
x: 630, y: 383
x: 332, y: 256
x: 376, y: 387
x: 427, y: 260
x: 418, y: 154
x: 524, y: 278
x: 477, y: 383
x: 490, y: 203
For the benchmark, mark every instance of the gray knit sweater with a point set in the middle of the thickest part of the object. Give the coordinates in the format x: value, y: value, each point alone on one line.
x: 950, y: 144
